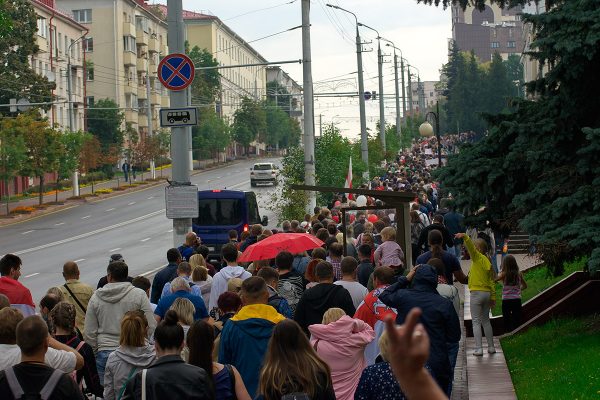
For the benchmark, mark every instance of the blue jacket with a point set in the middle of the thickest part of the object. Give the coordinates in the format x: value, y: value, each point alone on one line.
x: 244, y: 341
x: 438, y: 317
x: 167, y: 274
x: 186, y: 252
x: 167, y: 301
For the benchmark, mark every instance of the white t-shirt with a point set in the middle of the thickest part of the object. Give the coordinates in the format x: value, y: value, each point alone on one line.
x: 10, y: 355
x: 357, y: 291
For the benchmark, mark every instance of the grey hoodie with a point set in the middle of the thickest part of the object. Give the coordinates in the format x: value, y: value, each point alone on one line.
x: 123, y: 363
x: 105, y: 310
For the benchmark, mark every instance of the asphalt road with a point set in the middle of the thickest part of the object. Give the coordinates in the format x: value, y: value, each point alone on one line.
x: 133, y: 224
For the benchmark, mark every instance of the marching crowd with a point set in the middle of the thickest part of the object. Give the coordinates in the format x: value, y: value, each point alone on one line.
x: 308, y: 325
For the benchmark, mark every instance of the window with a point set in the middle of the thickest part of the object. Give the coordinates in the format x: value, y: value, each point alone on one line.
x: 59, y: 43
x: 219, y: 212
x: 129, y: 44
x: 90, y: 101
x: 88, y: 45
x: 511, y: 44
x: 83, y: 16
x: 141, y: 23
x: 90, y: 73
x: 430, y: 94
x: 495, y: 45
x: 42, y: 27
x: 510, y: 32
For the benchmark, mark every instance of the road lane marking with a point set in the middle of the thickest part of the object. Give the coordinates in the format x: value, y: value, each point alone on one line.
x: 88, y: 234
x: 153, y: 270
x: 145, y: 240
x: 113, y: 250
x: 86, y: 217
x: 110, y: 209
x: 25, y: 233
x: 219, y: 177
x: 238, y: 185
x: 59, y: 224
x: 80, y: 260
x: 150, y: 198
x: 30, y: 275
x: 170, y: 230
x: 132, y: 203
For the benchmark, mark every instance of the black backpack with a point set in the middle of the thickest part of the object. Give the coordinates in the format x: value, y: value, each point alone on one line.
x: 44, y: 394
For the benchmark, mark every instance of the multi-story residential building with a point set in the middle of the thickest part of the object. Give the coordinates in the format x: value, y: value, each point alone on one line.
x: 125, y: 43
x: 60, y: 40
x: 485, y: 32
x: 425, y: 96
x: 293, y: 97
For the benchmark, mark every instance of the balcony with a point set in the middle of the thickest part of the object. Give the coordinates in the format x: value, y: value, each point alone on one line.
x: 142, y: 64
x: 131, y: 116
x: 141, y: 93
x: 130, y: 88
x: 129, y: 58
x: 155, y: 98
x: 153, y: 45
x: 128, y: 29
x: 164, y: 101
x: 142, y: 120
x: 141, y: 37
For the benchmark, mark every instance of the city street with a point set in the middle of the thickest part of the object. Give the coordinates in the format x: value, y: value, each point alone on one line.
x: 132, y: 224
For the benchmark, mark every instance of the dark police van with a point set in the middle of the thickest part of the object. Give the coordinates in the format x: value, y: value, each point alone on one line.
x: 220, y: 211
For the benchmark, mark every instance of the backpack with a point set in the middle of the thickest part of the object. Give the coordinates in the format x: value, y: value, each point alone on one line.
x: 44, y: 394
x: 73, y: 374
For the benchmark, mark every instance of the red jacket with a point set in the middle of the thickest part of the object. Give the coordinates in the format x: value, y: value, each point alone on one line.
x: 18, y: 295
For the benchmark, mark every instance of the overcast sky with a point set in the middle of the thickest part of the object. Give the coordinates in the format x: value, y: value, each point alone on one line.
x: 421, y: 32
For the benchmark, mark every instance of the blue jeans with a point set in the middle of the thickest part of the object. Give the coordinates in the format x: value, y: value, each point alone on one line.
x: 101, y: 358
x: 452, y: 355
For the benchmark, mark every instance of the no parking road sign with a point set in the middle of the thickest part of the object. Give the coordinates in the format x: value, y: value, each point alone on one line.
x: 176, y: 71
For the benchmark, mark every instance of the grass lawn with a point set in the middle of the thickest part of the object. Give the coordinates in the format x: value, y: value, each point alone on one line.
x: 538, y: 280
x: 559, y: 360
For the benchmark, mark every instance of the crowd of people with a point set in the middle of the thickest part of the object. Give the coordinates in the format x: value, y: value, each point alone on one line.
x: 347, y: 320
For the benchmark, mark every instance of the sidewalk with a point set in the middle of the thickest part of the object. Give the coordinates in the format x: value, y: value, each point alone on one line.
x: 200, y: 166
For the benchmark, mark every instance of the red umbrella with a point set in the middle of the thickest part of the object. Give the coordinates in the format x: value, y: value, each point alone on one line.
x: 269, y: 248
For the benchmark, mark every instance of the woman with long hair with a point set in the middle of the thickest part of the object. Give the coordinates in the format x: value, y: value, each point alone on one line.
x: 133, y: 354
x: 416, y: 226
x: 435, y: 239
x: 63, y: 320
x: 227, y: 381
x: 340, y: 341
x: 202, y: 279
x: 291, y: 365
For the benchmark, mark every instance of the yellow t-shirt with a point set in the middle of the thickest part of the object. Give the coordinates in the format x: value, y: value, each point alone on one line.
x: 480, y: 275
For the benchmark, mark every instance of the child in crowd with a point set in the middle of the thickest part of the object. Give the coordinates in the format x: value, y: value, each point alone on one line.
x: 512, y: 285
x: 389, y: 253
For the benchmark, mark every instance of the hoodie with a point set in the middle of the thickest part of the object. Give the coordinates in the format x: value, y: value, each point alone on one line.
x: 244, y: 341
x: 122, y: 364
x: 316, y: 300
x: 438, y: 316
x: 105, y: 310
x: 341, y: 344
x: 219, y: 285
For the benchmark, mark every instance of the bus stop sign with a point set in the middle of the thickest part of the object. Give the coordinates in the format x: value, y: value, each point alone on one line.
x: 174, y: 117
x: 176, y: 71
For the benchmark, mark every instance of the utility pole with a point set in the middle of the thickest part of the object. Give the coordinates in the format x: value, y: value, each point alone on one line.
x: 75, y: 176
x: 398, y: 121
x: 381, y: 105
x: 179, y: 135
x: 410, y: 100
x: 403, y: 86
x: 320, y: 125
x: 149, y: 112
x: 309, y: 126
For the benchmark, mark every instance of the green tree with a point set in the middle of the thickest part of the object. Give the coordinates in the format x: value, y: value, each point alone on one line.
x: 279, y: 95
x: 207, y: 83
x: 71, y: 144
x: 104, y: 122
x: 90, y: 156
x: 43, y: 147
x: 13, y: 152
x: 538, y: 167
x: 515, y: 72
x: 249, y: 123
x: 17, y: 78
x: 211, y: 136
x: 497, y: 87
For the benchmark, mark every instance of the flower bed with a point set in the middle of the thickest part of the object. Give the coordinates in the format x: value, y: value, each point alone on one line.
x: 104, y: 191
x: 22, y: 210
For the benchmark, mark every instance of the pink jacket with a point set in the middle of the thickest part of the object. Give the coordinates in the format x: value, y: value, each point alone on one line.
x: 341, y: 344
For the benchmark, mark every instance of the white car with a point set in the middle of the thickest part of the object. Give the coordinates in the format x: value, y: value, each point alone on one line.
x: 264, y: 173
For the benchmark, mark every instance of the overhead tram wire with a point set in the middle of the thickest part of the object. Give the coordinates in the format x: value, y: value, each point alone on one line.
x: 260, y: 9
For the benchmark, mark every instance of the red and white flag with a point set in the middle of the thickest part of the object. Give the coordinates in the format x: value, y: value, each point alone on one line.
x: 348, y: 183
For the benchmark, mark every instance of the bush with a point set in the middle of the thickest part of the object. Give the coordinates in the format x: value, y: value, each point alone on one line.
x: 104, y: 191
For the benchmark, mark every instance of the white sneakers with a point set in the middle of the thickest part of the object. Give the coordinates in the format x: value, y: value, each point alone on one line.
x: 479, y: 352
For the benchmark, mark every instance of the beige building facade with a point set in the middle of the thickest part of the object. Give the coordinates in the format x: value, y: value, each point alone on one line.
x: 125, y: 43
x: 60, y: 39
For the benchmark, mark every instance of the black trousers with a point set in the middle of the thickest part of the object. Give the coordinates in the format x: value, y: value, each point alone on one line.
x: 511, y: 313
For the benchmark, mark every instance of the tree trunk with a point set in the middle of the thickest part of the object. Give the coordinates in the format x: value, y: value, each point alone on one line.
x: 41, y: 189
x: 92, y: 185
x: 7, y: 196
x: 56, y: 190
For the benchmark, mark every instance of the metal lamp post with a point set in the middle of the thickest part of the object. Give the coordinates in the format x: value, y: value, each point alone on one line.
x: 398, y: 117
x: 75, y: 176
x: 426, y: 130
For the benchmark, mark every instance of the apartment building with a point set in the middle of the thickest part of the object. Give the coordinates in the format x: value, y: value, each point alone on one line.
x: 228, y: 48
x: 60, y: 39
x: 423, y: 95
x: 485, y: 32
x: 293, y: 97
x: 531, y: 67
x: 125, y: 43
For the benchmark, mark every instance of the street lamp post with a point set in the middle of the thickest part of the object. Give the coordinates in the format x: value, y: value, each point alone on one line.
x: 75, y: 176
x: 364, y: 145
x: 381, y: 101
x: 426, y: 129
x: 398, y: 120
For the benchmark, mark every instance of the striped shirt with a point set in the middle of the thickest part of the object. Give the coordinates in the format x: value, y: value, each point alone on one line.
x: 510, y: 292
